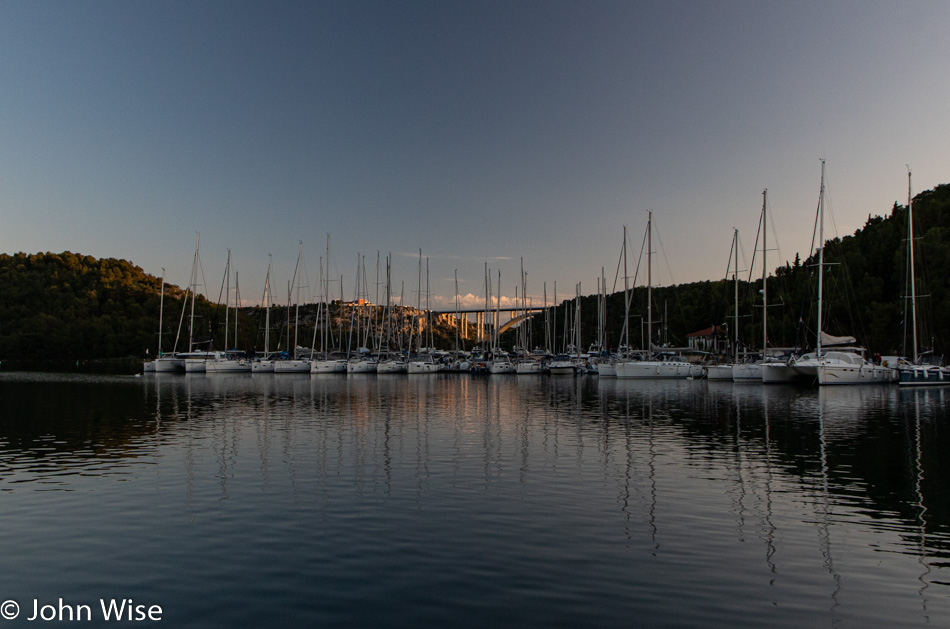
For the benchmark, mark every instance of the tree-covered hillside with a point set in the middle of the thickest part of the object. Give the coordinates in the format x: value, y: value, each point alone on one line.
x: 73, y: 306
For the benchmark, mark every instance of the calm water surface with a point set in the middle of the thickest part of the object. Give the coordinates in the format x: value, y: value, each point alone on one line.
x: 449, y: 501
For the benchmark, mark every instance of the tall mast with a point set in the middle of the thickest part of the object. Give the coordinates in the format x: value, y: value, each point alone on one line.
x: 913, y: 287
x: 326, y: 297
x: 294, y: 283
x: 603, y: 315
x: 353, y: 316
x: 821, y: 250
x: 380, y: 319
x: 227, y: 298
x: 387, y: 326
x: 412, y: 329
x: 522, y: 329
x: 626, y: 294
x: 194, y: 286
x: 601, y: 323
x: 290, y: 292
x: 650, y: 281
x: 429, y: 310
x: 161, y: 313
x: 267, y: 311
x: 765, y: 271
x: 316, y: 322
x: 735, y: 277
x: 368, y: 311
x: 547, y: 321
x: 485, y: 338
x: 237, y: 302
x: 577, y: 320
x: 497, y: 310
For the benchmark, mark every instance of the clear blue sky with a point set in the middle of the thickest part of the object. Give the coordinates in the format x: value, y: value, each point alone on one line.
x: 476, y: 131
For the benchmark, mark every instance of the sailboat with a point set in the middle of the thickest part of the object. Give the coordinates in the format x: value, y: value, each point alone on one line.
x: 391, y: 359
x: 844, y: 365
x: 501, y: 362
x: 423, y: 361
x: 840, y: 362
x: 362, y: 360
x: 162, y: 362
x: 598, y: 354
x: 664, y: 366
x: 329, y: 361
x: 265, y: 363
x: 294, y: 364
x: 194, y: 360
x: 229, y: 361
x: 917, y: 373
x: 723, y: 371
x: 527, y: 364
x: 607, y: 367
x: 460, y: 360
x: 751, y: 371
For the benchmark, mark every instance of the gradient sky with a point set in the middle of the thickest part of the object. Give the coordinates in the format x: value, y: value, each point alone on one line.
x: 476, y: 131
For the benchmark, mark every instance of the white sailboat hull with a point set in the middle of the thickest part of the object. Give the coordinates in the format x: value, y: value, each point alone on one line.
x: 166, y: 364
x: 720, y: 372
x: 292, y: 366
x: 361, y: 366
x: 867, y: 373
x: 328, y: 366
x: 501, y: 367
x: 195, y: 365
x: 657, y: 370
x: 561, y: 368
x: 607, y: 370
x: 262, y: 366
x: 420, y: 367
x: 228, y: 366
x: 391, y: 366
x: 747, y: 372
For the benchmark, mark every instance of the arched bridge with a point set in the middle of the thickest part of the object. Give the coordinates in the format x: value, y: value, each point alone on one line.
x: 482, y: 321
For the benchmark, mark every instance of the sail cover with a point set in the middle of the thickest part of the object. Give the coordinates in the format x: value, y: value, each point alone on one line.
x: 827, y: 339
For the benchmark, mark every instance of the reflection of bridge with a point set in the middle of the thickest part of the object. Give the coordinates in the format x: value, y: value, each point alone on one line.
x: 519, y: 315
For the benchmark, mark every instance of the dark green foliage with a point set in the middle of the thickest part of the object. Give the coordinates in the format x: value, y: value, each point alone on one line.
x: 66, y: 305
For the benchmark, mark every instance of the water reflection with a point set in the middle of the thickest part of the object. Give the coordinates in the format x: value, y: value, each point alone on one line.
x: 737, y: 498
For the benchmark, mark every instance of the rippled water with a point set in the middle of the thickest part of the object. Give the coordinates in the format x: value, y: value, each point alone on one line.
x: 453, y: 501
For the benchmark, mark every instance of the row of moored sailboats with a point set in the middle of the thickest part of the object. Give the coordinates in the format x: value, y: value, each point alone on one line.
x: 835, y: 360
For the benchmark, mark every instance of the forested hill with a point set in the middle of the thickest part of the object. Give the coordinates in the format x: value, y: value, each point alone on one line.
x: 73, y: 306
x: 55, y: 306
